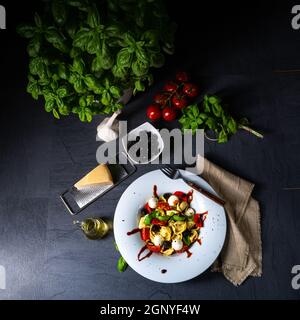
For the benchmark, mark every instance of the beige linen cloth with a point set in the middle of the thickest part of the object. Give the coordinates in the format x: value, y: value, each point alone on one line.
x: 241, y: 255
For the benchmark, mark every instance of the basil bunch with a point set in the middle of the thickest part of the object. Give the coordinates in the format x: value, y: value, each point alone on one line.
x: 211, y: 116
x: 85, y: 53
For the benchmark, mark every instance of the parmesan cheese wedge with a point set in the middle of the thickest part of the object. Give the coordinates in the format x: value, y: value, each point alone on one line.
x: 100, y: 176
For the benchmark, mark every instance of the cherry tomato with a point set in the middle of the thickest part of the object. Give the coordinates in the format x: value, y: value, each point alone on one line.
x: 164, y: 206
x: 153, y: 248
x: 182, y: 76
x: 169, y: 114
x: 179, y: 101
x: 145, y: 234
x: 160, y: 98
x: 149, y: 210
x: 154, y: 112
x: 170, y: 87
x: 158, y: 222
x: 181, y: 195
x: 191, y: 90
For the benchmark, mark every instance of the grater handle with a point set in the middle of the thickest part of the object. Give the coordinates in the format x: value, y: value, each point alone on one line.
x: 65, y: 202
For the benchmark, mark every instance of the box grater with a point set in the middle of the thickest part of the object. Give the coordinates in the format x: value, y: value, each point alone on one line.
x: 77, y: 200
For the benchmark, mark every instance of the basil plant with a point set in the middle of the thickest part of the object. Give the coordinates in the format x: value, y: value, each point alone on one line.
x: 85, y: 53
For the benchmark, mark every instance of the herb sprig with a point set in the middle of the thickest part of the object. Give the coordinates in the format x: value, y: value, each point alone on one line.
x: 211, y: 116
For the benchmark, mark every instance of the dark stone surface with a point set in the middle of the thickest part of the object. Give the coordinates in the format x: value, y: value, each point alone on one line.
x: 232, y: 52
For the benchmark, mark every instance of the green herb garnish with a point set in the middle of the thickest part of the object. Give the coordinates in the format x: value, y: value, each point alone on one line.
x: 122, y: 264
x: 212, y: 116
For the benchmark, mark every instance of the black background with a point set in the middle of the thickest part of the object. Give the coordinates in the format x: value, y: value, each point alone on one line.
x: 232, y: 49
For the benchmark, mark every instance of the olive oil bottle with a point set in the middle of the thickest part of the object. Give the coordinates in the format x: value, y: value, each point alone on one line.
x: 93, y: 228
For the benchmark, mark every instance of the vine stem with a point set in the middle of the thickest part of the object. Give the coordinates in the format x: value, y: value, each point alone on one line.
x: 246, y: 128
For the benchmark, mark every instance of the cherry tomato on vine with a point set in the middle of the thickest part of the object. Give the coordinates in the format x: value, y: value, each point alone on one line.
x: 179, y: 101
x: 190, y: 89
x: 182, y: 76
x: 160, y: 98
x: 169, y: 114
x: 154, y: 112
x: 170, y: 87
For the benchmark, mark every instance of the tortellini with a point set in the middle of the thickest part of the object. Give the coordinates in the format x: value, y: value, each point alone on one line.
x: 166, y: 233
x: 170, y: 224
x: 179, y: 227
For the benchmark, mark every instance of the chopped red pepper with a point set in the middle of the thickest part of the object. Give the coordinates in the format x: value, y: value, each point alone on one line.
x: 158, y: 222
x: 153, y: 248
x: 145, y: 234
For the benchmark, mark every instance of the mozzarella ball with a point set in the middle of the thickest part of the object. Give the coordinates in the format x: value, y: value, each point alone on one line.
x: 153, y: 202
x: 173, y: 200
x: 177, y: 244
x: 158, y: 240
x: 189, y: 212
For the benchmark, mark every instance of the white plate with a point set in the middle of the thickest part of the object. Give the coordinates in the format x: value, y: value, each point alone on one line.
x: 179, y: 267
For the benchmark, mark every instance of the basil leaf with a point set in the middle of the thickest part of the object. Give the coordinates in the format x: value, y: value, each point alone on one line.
x: 157, y: 60
x: 96, y: 64
x: 106, y: 98
x: 124, y: 58
x: 82, y: 38
x: 93, y: 18
x: 141, y: 54
x: 119, y: 72
x: 107, y: 60
x: 59, y: 11
x: 232, y: 126
x: 38, y: 20
x: 223, y: 137
x: 94, y: 43
x: 62, y: 71
x: 90, y: 81
x: 211, y: 123
x: 90, y: 100
x: 151, y: 38
x: 82, y: 115
x: 186, y: 240
x: 79, y: 86
x: 53, y: 36
x: 34, y: 89
x: 88, y: 114
x: 56, y: 114
x: 49, y: 104
x: 139, y: 86
x: 139, y: 69
x: 78, y: 66
x: 115, y: 91
x: 26, y: 31
x: 62, y: 92
x: 129, y: 39
x: 34, y: 46
x: 36, y: 66
x: 82, y: 102
x: 122, y: 264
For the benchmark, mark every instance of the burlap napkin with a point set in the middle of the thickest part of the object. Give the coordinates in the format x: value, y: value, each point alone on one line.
x: 241, y: 255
